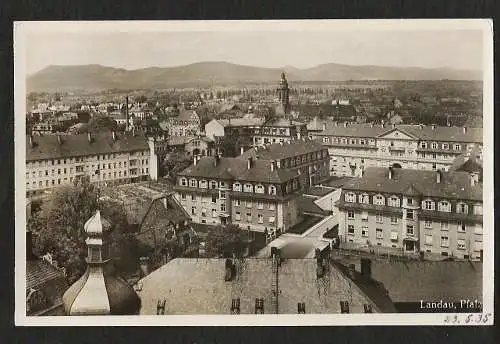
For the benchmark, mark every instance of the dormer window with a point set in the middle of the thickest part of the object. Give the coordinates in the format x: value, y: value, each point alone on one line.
x: 272, y: 190
x: 213, y: 184
x: 445, y: 146
x: 428, y: 205
x: 457, y: 147
x: 379, y: 200
x: 183, y: 181
x: 444, y: 206
x: 478, y: 209
x: 350, y: 197
x: 394, y: 201
x: 193, y: 183
x: 236, y: 186
x: 248, y: 188
x: 326, y: 139
x: 462, y: 208
x: 423, y: 145
x: 364, y: 198
x: 259, y: 189
x: 434, y: 145
x: 203, y: 184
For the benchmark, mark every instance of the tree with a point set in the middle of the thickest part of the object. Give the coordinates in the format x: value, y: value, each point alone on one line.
x: 225, y: 241
x: 59, y: 226
x: 98, y: 124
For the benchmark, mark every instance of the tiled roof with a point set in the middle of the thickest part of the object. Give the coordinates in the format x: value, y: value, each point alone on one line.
x: 236, y: 169
x: 184, y: 115
x: 282, y: 122
x: 48, y: 147
x: 430, y: 281
x: 453, y: 185
x: 242, y: 122
x: 197, y: 286
x: 277, y: 151
x: 424, y: 132
x: 319, y: 191
x: 306, y: 204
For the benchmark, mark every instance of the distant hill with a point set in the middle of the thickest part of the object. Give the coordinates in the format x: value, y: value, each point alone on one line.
x: 54, y: 78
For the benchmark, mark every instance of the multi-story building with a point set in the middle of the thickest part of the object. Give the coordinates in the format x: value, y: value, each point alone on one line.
x: 354, y: 147
x: 306, y: 157
x: 256, y: 194
x: 415, y: 211
x: 105, y: 157
x: 186, y: 123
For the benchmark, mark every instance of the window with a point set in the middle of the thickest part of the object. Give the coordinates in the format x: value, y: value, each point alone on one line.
x: 445, y: 241
x: 271, y: 219
x: 462, y: 208
x: 214, y: 199
x: 379, y: 233
x: 379, y: 200
x: 428, y: 205
x: 183, y: 181
x: 364, y: 231
x: 423, y: 145
x: 193, y: 183
x: 364, y: 199
x: 350, y: 197
x: 478, y: 209
x: 272, y: 206
x: 203, y: 184
x: 444, y: 225
x: 259, y: 189
x: 223, y: 207
x: 237, y: 202
x: 434, y: 145
x: 445, y: 146
x: 394, y: 220
x: 457, y: 147
x: 428, y: 239
x: 394, y: 201
x: 237, y: 216
x: 350, y: 229
x: 193, y: 210
x: 213, y: 184
x: 444, y: 206
x: 325, y: 139
x: 409, y: 214
x: 183, y: 196
x: 223, y: 195
x: 478, y: 246
x: 364, y: 216
x: 249, y: 204
x: 344, y: 307
x: 214, y: 212
x: 461, y: 244
x: 410, y: 230
x: 272, y: 190
x: 350, y: 215
x: 260, y: 205
x: 249, y: 217
x: 379, y: 218
x: 478, y: 229
x: 462, y: 227
x: 409, y: 201
x: 248, y: 188
x: 394, y: 236
x: 428, y: 224
x: 260, y: 218
x: 193, y: 197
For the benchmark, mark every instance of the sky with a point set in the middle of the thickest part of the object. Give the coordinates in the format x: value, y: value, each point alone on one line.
x: 457, y: 48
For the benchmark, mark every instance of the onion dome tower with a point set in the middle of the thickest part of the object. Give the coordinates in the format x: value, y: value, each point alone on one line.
x: 99, y: 291
x: 283, y: 95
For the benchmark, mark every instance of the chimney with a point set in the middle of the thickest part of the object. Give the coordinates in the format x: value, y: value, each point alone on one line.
x: 439, y: 176
x: 195, y: 160
x: 371, y: 125
x: 165, y: 203
x: 249, y: 163
x: 394, y: 125
x: 421, y: 126
x: 272, y: 165
x: 230, y: 270
x: 391, y: 172
x: 242, y: 150
x: 352, y: 271
x: 346, y: 124
x: 133, y: 131
x: 216, y: 160
x: 362, y: 172
x: 464, y: 129
x: 126, y: 113
x: 89, y: 137
x: 298, y: 135
x: 144, y: 265
x: 433, y: 127
x: 366, y: 267
x: 114, y: 136
x: 59, y: 139
x: 336, y: 123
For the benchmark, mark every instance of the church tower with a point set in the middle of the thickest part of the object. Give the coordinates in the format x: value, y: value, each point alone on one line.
x: 99, y: 291
x: 283, y: 96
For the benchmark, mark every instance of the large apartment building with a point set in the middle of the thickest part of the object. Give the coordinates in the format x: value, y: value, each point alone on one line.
x: 415, y: 211
x: 306, y: 157
x: 354, y: 147
x: 256, y: 194
x: 104, y: 157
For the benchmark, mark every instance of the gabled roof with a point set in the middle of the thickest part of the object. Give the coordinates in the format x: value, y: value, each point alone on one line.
x: 197, y: 286
x: 453, y: 185
x: 283, y: 150
x: 236, y: 169
x: 48, y: 147
x: 241, y: 122
x: 399, y: 129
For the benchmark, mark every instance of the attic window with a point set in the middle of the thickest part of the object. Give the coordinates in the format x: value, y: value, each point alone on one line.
x: 344, y: 307
x: 301, y: 308
x: 368, y: 308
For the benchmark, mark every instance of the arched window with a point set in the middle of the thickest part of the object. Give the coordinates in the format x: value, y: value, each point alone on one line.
x: 259, y: 189
x: 236, y: 186
x: 379, y: 200
x: 248, y: 187
x: 272, y: 190
x: 423, y: 145
x: 203, y: 184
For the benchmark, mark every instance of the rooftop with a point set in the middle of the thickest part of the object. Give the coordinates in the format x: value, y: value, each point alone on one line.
x: 319, y: 191
x: 283, y: 150
x: 236, y: 169
x: 197, y: 286
x: 306, y: 205
x: 67, y: 146
x: 241, y: 122
x: 453, y: 185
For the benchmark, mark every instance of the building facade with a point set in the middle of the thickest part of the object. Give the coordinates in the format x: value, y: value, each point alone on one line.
x: 414, y: 211
x: 255, y: 194
x: 107, y: 157
x: 354, y: 147
x: 187, y: 123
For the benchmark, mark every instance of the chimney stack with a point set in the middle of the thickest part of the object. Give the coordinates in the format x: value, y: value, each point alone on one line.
x: 249, y: 163
x: 346, y: 124
x: 114, y: 136
x: 217, y: 160
x: 144, y: 265
x: 366, y: 267
x: 272, y: 165
x: 59, y: 139
x: 464, y: 129
x: 89, y: 137
x: 242, y: 150
x: 391, y: 172
x: 439, y: 176
x: 433, y: 127
x: 324, y: 126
